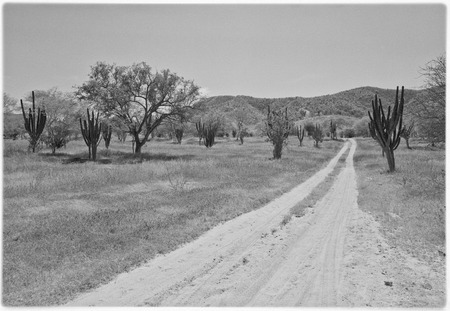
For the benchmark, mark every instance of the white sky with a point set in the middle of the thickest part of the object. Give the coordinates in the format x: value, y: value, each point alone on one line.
x: 257, y: 50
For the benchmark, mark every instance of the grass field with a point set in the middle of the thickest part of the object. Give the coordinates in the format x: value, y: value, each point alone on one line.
x: 70, y: 227
x: 409, y: 203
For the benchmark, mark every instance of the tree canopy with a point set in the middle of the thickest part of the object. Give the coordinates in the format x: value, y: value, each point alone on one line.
x: 429, y: 109
x: 9, y: 103
x: 140, y: 97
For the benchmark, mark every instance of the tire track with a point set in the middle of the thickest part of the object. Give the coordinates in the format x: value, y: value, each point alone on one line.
x: 208, y: 270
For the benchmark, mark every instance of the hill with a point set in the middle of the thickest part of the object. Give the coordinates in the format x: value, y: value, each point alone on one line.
x: 352, y: 103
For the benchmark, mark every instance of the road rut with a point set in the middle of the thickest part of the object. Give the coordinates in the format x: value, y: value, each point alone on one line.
x: 249, y: 260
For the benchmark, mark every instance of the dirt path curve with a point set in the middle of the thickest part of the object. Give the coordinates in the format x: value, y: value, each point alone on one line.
x: 249, y: 260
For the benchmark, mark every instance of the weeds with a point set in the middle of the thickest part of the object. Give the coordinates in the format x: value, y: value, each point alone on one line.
x: 175, y: 175
x: 69, y: 228
x: 415, y: 193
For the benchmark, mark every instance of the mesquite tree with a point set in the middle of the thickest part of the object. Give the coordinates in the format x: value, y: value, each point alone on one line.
x: 57, y: 135
x: 277, y: 129
x: 119, y: 128
x: 177, y: 126
x: 317, y: 135
x: 309, y: 128
x: 139, y: 97
x: 429, y: 110
x: 179, y: 134
x: 242, y: 133
x: 407, y: 132
x: 300, y: 134
x: 386, y: 130
x: 199, y: 127
x: 34, y: 123
x: 91, y: 131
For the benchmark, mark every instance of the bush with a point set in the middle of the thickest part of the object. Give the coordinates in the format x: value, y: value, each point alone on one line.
x: 220, y: 134
x: 361, y: 128
x: 310, y: 128
x: 349, y: 133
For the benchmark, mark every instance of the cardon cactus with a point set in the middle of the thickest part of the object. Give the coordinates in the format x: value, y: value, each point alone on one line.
x: 317, y: 135
x: 34, y: 123
x: 333, y: 130
x: 91, y: 131
x: 386, y: 130
x: 207, y: 132
x: 300, y: 134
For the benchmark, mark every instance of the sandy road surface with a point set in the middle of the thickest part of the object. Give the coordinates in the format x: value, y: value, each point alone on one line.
x: 237, y: 262
x: 252, y: 261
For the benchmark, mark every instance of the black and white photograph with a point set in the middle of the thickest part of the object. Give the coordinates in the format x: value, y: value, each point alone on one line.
x: 224, y: 154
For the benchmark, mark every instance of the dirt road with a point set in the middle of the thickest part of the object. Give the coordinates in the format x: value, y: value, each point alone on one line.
x: 253, y: 261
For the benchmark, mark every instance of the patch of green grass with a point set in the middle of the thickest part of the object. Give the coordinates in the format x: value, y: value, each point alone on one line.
x: 71, y: 227
x: 409, y: 203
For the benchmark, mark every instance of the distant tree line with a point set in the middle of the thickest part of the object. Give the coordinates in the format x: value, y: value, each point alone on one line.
x: 141, y: 103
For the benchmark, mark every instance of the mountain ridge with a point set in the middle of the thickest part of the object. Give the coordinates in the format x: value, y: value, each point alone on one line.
x: 354, y: 102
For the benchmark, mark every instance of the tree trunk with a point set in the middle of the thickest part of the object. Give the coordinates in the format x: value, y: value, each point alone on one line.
x: 53, y: 150
x: 138, y: 146
x: 89, y: 152
x: 137, y: 150
x: 277, y: 148
x: 407, y: 144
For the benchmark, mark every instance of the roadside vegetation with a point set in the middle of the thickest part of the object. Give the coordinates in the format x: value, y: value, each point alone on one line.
x: 409, y: 204
x: 70, y: 227
x: 70, y: 224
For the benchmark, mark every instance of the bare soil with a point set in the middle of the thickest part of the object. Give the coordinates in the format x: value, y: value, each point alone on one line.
x: 332, y: 256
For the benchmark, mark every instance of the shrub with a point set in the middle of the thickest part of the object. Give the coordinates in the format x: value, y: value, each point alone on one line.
x: 310, y: 127
x: 349, y: 133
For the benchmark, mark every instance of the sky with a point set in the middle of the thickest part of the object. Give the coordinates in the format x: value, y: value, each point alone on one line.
x: 259, y: 50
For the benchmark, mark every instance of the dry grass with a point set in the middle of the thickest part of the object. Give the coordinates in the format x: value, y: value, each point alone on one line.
x: 70, y: 227
x: 409, y: 203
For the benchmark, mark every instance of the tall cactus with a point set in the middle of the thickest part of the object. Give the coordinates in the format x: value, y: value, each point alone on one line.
x: 300, y: 134
x: 387, y: 130
x: 106, y: 134
x: 91, y: 131
x: 207, y: 132
x: 333, y: 129
x: 277, y: 129
x: 317, y: 135
x: 34, y: 123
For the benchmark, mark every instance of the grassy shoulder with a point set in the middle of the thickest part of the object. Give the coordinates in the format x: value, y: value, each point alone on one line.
x: 70, y: 227
x: 409, y: 203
